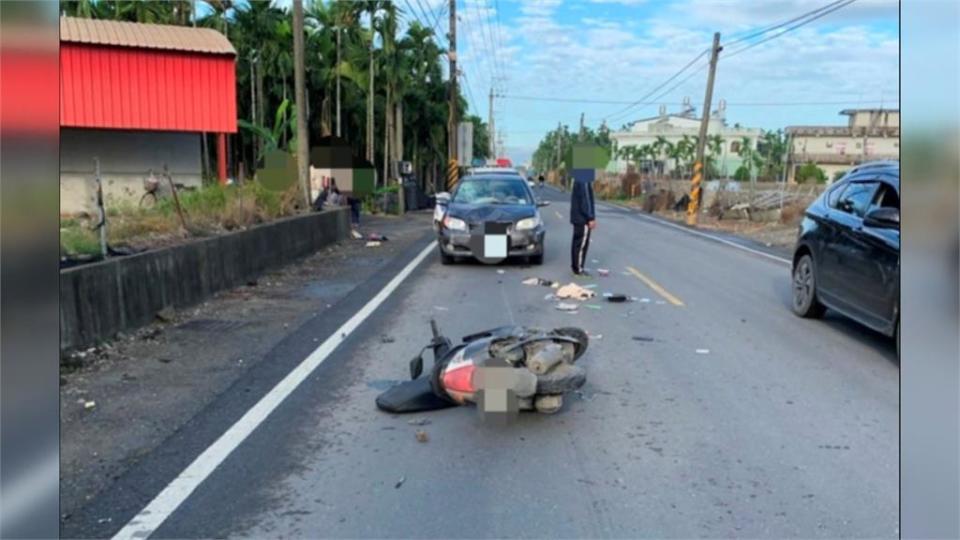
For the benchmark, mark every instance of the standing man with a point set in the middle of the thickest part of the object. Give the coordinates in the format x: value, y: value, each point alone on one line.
x: 584, y: 220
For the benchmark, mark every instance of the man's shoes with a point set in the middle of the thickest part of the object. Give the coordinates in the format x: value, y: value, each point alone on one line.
x: 582, y: 273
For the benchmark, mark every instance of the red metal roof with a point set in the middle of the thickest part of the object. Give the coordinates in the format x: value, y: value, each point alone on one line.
x: 128, y: 87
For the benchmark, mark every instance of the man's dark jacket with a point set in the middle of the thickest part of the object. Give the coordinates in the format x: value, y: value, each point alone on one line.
x: 581, y: 203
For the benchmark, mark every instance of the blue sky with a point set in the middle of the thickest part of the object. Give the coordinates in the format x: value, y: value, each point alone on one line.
x: 618, y: 50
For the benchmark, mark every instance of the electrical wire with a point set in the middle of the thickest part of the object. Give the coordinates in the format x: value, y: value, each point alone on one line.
x: 657, y: 89
x: 736, y: 103
x: 788, y: 29
x: 784, y: 23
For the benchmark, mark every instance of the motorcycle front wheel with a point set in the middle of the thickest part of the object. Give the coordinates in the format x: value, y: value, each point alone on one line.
x: 579, y: 335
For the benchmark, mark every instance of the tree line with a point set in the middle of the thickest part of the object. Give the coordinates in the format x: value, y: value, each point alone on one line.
x: 762, y: 160
x: 388, y: 79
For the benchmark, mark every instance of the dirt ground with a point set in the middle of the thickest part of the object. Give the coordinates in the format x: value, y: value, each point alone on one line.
x: 121, y: 400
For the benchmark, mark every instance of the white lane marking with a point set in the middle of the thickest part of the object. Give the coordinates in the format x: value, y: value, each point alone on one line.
x: 705, y: 235
x: 150, y: 518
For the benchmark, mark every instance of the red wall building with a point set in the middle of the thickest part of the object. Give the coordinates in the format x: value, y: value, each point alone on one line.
x: 123, y: 77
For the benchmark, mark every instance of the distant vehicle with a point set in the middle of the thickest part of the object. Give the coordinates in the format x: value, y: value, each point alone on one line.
x: 847, y: 256
x: 485, y: 201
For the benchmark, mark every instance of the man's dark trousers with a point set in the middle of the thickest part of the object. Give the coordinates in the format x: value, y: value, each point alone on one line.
x: 579, y: 246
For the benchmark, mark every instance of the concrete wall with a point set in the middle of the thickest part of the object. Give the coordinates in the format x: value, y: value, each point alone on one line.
x: 125, y: 158
x: 101, y: 299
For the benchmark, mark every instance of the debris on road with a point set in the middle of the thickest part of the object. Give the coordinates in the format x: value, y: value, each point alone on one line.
x: 373, y: 243
x: 661, y: 302
x: 501, y: 271
x: 643, y: 338
x: 617, y: 298
x: 377, y: 237
x: 387, y: 339
x: 575, y: 292
x: 703, y: 351
x: 441, y: 308
x: 590, y: 286
x: 603, y: 272
x: 549, y: 297
x: 166, y: 314
x: 356, y: 234
x: 596, y: 336
x: 566, y: 306
x: 400, y: 482
x: 252, y: 283
x: 422, y: 436
x: 418, y: 422
x: 89, y: 404
x: 644, y: 300
x: 164, y: 360
x: 592, y: 306
x: 594, y: 261
x: 540, y: 281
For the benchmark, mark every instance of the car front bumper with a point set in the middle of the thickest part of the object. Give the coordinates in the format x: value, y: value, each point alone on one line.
x: 519, y: 243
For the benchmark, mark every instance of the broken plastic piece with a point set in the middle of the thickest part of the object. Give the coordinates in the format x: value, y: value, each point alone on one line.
x: 574, y: 291
x: 566, y: 306
x: 593, y: 306
x: 703, y: 351
x: 356, y: 234
x: 500, y: 271
x: 603, y: 272
x: 400, y: 482
x: 89, y: 404
x: 617, y: 298
x: 642, y: 338
x: 540, y: 281
x: 373, y: 244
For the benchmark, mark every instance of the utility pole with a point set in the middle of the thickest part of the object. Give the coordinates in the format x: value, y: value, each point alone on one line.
x: 696, y: 195
x: 490, y: 127
x: 303, y: 145
x: 338, y: 81
x: 581, y: 133
x: 453, y: 174
x: 556, y: 163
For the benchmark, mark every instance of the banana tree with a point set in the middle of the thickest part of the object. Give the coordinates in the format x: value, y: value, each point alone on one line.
x: 284, y: 129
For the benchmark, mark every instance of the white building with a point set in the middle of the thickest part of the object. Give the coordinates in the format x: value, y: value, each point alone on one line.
x: 673, y: 127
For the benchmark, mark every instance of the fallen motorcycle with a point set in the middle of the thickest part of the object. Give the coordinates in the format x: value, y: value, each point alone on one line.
x: 537, y: 366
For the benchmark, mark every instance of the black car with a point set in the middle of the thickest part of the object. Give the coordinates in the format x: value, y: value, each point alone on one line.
x: 490, y: 217
x: 847, y: 256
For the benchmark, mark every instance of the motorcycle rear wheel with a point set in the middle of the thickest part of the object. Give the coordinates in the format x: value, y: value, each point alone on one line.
x: 578, y: 334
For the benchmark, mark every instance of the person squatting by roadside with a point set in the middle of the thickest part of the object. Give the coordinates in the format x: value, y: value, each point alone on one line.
x: 583, y: 218
x: 331, y: 196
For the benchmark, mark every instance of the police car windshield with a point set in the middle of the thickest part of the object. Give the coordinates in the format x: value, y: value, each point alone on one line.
x: 492, y: 191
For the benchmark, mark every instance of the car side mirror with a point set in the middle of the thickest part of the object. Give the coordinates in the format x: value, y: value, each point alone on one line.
x: 883, y: 218
x: 541, y: 204
x: 443, y: 197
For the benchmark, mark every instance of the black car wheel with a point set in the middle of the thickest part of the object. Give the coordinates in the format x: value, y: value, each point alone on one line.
x: 444, y: 258
x: 805, y: 303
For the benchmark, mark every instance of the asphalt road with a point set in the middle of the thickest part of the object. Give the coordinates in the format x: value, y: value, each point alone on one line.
x: 783, y: 428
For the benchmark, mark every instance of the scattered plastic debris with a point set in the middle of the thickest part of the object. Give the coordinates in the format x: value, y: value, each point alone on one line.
x: 377, y: 237
x: 566, y: 306
x: 356, y: 234
x: 661, y: 302
x: 703, y: 351
x: 501, y: 272
x: 592, y: 306
x: 548, y: 296
x: 596, y: 336
x: 400, y: 482
x: 590, y: 286
x: 419, y: 422
x: 617, y: 298
x: 387, y: 339
x: 540, y: 281
x: 644, y: 300
x: 89, y: 404
x: 603, y: 272
x: 643, y: 338
x: 373, y: 243
x: 594, y: 261
x: 574, y: 291
x: 422, y: 436
x: 441, y: 308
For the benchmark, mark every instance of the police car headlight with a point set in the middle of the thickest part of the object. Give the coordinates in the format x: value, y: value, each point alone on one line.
x: 455, y: 224
x: 528, y: 223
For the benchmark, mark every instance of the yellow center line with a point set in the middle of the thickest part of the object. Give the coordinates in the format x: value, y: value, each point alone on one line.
x: 653, y: 285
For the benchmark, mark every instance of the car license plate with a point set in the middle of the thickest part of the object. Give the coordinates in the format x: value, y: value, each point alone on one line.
x: 494, y: 246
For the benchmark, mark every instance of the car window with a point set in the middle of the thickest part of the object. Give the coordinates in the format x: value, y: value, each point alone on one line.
x: 886, y: 197
x: 857, y: 197
x: 503, y: 191
x: 834, y: 195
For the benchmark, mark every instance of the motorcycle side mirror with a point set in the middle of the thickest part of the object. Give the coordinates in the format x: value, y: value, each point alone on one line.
x: 416, y: 366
